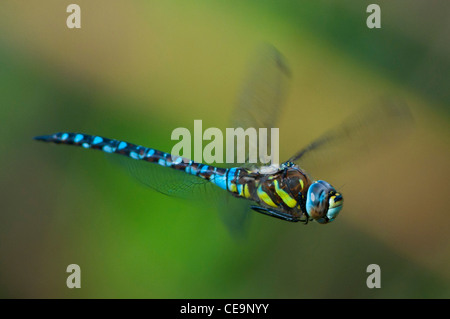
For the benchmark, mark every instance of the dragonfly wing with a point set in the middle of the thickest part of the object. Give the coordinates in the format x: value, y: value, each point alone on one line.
x: 261, y: 98
x: 360, y: 134
x: 234, y: 212
x: 166, y: 180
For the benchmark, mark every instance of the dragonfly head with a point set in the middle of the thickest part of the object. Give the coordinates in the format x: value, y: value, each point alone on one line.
x: 323, y: 203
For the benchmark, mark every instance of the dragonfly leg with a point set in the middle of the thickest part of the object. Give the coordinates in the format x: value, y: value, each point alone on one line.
x: 301, y: 200
x: 285, y: 173
x: 274, y: 213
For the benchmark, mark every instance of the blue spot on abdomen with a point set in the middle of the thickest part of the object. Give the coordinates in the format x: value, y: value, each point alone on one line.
x: 122, y: 145
x: 78, y: 138
x: 97, y: 140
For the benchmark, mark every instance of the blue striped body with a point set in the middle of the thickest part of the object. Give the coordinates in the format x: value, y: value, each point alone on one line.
x: 223, y: 178
x: 280, y: 193
x: 264, y: 189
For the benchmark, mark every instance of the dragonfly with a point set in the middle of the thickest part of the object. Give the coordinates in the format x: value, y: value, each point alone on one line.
x: 285, y: 191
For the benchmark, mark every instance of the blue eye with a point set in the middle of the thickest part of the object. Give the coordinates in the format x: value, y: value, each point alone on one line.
x: 315, y: 197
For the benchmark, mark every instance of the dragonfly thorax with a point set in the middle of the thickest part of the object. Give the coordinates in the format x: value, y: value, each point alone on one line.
x: 283, y: 192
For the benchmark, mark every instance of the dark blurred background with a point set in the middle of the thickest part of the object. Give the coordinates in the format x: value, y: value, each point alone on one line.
x: 138, y: 69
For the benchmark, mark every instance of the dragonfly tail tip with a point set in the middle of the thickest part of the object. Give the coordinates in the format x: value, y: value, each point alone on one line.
x: 44, y: 138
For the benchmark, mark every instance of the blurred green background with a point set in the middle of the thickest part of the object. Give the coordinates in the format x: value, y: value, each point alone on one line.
x: 138, y: 69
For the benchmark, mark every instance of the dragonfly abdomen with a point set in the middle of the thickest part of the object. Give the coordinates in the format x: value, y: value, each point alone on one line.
x: 239, y: 181
x: 215, y: 174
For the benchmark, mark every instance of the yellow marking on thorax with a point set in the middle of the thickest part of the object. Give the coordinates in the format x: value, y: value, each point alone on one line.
x: 301, y: 184
x: 246, y: 192
x: 265, y: 198
x: 285, y: 196
x: 233, y: 188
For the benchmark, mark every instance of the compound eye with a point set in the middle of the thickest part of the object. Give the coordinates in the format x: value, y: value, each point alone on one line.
x: 316, y: 193
x: 316, y: 201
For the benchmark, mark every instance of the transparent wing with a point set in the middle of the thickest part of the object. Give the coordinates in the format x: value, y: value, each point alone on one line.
x: 234, y: 212
x: 166, y: 180
x: 261, y: 98
x: 258, y: 106
x: 360, y: 135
